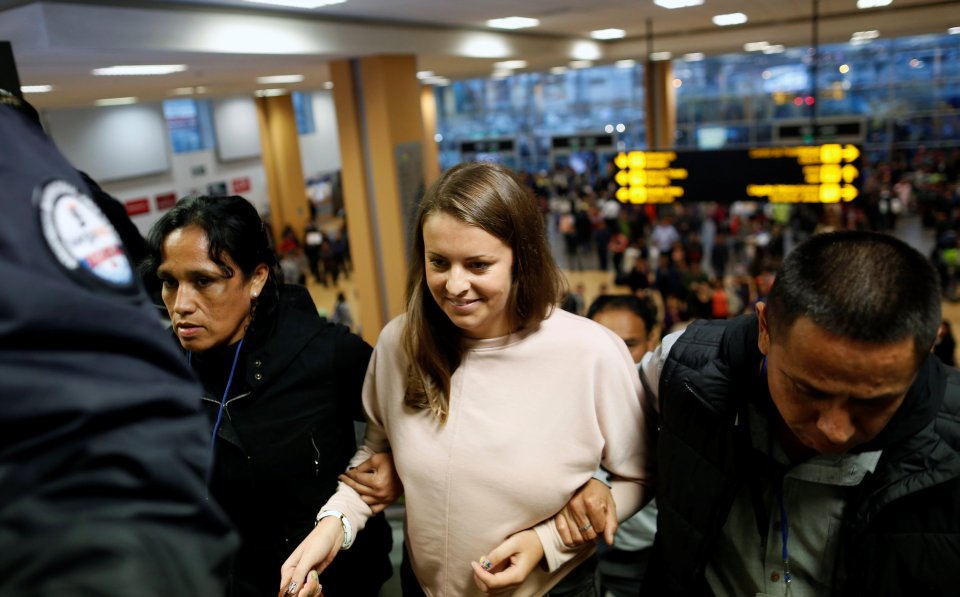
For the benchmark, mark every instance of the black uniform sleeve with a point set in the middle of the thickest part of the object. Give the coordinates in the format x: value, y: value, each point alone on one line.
x: 351, y: 358
x: 103, y: 450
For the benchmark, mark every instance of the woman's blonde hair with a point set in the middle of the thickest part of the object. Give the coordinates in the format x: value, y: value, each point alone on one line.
x: 490, y: 197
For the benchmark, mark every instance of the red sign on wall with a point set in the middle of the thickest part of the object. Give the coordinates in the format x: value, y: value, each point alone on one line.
x: 166, y: 201
x: 137, y: 206
x: 240, y: 185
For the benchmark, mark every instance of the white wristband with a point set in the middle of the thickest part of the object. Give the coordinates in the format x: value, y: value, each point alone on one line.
x: 347, y: 528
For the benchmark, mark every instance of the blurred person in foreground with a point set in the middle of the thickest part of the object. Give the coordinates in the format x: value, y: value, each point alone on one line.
x: 103, y: 454
x: 281, y: 389
x: 622, y: 565
x: 811, y: 448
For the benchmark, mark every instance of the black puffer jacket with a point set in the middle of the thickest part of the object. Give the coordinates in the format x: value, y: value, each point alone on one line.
x: 286, y: 433
x: 901, y: 531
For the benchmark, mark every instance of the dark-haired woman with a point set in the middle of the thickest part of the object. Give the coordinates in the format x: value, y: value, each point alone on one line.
x: 282, y: 389
x: 497, y: 405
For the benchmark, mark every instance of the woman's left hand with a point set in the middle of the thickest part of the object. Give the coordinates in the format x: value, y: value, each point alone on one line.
x: 376, y: 480
x: 509, y: 563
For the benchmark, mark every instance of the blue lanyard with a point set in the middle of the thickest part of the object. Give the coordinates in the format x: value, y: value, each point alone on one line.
x: 778, y: 490
x: 223, y: 400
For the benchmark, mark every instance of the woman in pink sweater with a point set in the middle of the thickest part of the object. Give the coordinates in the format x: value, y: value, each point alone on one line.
x: 497, y: 406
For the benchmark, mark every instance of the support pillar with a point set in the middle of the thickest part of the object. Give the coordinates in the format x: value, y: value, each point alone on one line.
x: 660, y: 101
x: 380, y: 125
x: 280, y: 152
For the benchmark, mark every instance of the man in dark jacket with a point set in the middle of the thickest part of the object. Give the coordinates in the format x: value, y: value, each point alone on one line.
x: 813, y: 448
x: 103, y: 450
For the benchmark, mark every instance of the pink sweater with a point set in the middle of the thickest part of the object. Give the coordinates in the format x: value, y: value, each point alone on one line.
x: 532, y: 414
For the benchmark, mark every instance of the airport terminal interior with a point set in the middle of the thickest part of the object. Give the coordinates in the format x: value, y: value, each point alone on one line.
x: 678, y: 149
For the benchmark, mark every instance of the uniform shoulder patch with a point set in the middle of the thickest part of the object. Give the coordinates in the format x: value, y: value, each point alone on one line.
x: 82, y: 239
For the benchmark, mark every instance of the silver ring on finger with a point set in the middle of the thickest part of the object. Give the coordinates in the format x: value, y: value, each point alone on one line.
x: 586, y: 527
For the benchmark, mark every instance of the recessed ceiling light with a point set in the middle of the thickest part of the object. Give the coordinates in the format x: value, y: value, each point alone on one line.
x: 580, y: 63
x: 115, y: 101
x: 299, y: 3
x: 693, y: 57
x: 36, y: 88
x: 328, y: 85
x: 865, y: 35
x: 188, y: 90
x: 660, y: 56
x: 733, y: 18
x: 677, y: 3
x: 279, y: 79
x: 954, y: 31
x: 510, y: 64
x: 625, y: 63
x: 437, y: 81
x: 608, y: 33
x: 872, y: 3
x: 513, y: 23
x: 755, y: 46
x: 270, y: 92
x: 424, y: 74
x: 140, y: 69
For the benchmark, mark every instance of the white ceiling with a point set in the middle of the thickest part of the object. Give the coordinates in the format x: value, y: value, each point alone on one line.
x: 226, y: 44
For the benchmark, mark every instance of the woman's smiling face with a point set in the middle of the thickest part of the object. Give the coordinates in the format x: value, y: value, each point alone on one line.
x: 469, y: 274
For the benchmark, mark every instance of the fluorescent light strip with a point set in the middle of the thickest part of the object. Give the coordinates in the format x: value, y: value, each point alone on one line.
x: 558, y: 70
x: 660, y: 56
x: 865, y: 35
x: 279, y: 79
x: 861, y: 4
x: 625, y: 63
x: 424, y: 74
x: 755, y: 46
x: 580, y: 63
x: 777, y: 49
x: 513, y: 23
x: 140, y: 70
x: 733, y: 18
x: 693, y: 57
x: 510, y: 65
x: 954, y: 31
x: 270, y: 92
x: 671, y: 4
x: 299, y: 3
x: 36, y: 88
x: 115, y: 101
x: 608, y: 34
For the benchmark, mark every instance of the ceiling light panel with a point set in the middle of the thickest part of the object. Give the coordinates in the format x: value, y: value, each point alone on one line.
x: 115, y: 101
x: 513, y: 23
x: 279, y: 79
x: 298, y: 3
x: 872, y: 3
x: 608, y: 34
x: 36, y: 88
x: 140, y: 70
x: 677, y: 3
x: 733, y: 18
x: 510, y: 64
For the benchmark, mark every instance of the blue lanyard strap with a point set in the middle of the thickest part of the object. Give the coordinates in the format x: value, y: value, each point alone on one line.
x: 778, y: 490
x: 223, y: 400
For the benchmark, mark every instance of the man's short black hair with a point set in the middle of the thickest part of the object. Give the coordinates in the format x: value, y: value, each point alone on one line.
x: 641, y: 307
x: 865, y: 286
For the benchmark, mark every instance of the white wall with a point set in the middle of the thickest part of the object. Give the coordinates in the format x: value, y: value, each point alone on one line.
x: 85, y: 137
x: 320, y: 151
x: 185, y: 178
x: 130, y: 140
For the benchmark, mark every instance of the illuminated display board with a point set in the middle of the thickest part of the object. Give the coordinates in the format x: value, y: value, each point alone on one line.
x: 804, y: 174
